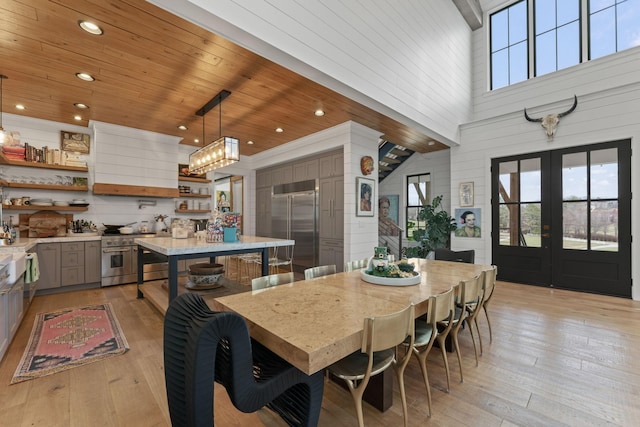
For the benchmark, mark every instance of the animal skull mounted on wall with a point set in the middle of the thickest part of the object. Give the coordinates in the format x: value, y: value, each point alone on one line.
x: 550, y: 121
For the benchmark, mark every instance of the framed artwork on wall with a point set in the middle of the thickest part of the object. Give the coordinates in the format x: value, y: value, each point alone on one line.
x: 388, y: 215
x: 364, y: 195
x: 468, y: 221
x: 74, y: 142
x: 466, y: 194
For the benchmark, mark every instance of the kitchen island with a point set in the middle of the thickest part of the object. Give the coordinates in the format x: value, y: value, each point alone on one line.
x: 177, y: 249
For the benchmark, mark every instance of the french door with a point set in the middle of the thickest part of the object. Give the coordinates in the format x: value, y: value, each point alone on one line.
x: 562, y: 218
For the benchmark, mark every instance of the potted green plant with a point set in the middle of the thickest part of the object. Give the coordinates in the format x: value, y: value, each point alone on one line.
x: 437, y: 232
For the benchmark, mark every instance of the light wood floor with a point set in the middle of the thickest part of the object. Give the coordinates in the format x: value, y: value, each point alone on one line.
x: 558, y: 358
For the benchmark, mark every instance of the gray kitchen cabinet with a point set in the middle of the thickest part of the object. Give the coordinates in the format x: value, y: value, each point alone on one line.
x: 332, y: 165
x: 5, y: 337
x: 69, y: 264
x: 92, y: 262
x: 263, y: 179
x: 11, y: 314
x: 332, y: 252
x: 306, y: 170
x: 282, y: 175
x: 72, y: 263
x: 263, y: 211
x: 332, y: 208
x: 331, y: 222
x: 49, y: 264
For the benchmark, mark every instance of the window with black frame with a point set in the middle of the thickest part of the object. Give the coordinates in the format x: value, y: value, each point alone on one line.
x: 418, y: 196
x: 555, y: 30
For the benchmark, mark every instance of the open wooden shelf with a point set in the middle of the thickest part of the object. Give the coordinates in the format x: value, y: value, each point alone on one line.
x: 188, y: 179
x: 134, y: 190
x: 192, y: 210
x: 44, y: 186
x: 5, y: 161
x: 45, y: 208
x: 195, y: 196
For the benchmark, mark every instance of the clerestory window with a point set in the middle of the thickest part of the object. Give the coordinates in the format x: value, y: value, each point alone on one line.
x: 531, y: 38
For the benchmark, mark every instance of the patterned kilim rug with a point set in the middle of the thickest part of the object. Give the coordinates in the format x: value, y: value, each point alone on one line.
x: 69, y: 338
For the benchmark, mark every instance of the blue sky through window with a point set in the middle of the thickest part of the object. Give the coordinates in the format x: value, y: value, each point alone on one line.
x: 614, y: 25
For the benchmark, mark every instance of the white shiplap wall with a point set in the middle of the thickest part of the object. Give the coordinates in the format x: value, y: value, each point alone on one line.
x: 134, y: 157
x: 608, y: 91
x: 360, y: 233
x: 408, y: 59
x: 437, y: 164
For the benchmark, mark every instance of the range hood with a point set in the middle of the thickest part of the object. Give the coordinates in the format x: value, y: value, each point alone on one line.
x: 134, y: 162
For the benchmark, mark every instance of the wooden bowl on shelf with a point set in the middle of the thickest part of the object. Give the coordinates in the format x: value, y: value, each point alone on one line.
x: 206, y: 269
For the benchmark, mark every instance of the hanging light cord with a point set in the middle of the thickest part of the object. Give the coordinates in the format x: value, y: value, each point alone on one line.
x: 220, y: 120
x: 2, y: 77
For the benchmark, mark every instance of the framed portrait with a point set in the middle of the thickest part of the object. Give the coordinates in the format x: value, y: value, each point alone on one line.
x: 74, y: 142
x: 223, y: 201
x: 365, y: 188
x: 466, y: 194
x: 468, y: 221
x: 388, y: 207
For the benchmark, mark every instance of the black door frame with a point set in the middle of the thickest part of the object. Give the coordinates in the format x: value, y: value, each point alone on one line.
x: 551, y: 265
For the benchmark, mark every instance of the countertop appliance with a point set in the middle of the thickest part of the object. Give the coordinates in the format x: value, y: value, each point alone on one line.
x: 294, y: 215
x: 120, y: 260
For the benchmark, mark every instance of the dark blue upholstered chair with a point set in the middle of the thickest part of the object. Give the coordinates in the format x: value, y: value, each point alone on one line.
x: 201, y: 346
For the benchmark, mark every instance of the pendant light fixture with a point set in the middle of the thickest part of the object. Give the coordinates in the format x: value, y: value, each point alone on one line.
x: 221, y: 152
x: 3, y: 134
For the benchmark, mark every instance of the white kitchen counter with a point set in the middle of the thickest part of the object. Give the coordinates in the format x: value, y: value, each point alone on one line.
x: 176, y: 249
x: 27, y: 243
x: 170, y: 246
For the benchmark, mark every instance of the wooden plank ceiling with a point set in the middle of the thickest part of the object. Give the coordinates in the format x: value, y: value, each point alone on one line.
x: 153, y: 70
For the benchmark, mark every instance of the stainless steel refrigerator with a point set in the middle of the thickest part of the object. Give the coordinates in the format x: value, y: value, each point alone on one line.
x: 294, y: 215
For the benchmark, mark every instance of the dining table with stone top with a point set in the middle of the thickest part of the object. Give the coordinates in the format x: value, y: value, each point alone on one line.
x: 316, y: 322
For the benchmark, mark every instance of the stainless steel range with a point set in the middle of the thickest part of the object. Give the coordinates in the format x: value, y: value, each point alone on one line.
x: 120, y: 260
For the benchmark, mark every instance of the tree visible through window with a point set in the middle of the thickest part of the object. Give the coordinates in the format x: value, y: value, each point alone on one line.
x: 418, y: 196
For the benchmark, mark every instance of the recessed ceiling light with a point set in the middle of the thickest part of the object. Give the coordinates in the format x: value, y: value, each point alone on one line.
x: 319, y: 112
x: 182, y: 127
x: 90, y: 27
x: 81, y: 105
x: 250, y: 142
x: 431, y: 143
x: 279, y: 130
x: 77, y: 118
x: 20, y: 107
x: 85, y: 76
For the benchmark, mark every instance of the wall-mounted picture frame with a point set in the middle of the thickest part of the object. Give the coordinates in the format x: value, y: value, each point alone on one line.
x: 183, y: 170
x: 365, y: 193
x: 468, y: 222
x: 74, y: 142
x: 466, y: 194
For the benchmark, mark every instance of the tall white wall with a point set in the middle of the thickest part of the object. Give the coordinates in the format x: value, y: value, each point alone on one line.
x: 437, y: 164
x: 608, y: 91
x: 360, y: 233
x: 408, y: 59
